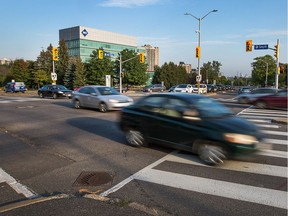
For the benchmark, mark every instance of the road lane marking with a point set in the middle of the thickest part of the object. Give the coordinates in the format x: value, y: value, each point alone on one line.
x: 238, y: 166
x: 275, y: 141
x: 235, y: 191
x: 280, y: 133
x: 18, y: 187
x: 268, y: 126
x: 273, y: 153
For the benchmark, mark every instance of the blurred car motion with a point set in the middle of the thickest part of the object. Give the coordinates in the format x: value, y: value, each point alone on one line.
x: 189, y: 122
x: 276, y: 101
x: 103, y: 98
x: 54, y: 91
x: 244, y: 90
x: 255, y: 94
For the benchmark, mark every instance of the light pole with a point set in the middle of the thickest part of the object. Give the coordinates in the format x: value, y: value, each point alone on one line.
x: 199, y: 39
x: 266, y: 71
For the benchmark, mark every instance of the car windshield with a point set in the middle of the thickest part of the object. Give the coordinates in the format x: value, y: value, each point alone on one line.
x: 182, y: 86
x: 210, y: 108
x: 107, y: 91
x: 60, y: 87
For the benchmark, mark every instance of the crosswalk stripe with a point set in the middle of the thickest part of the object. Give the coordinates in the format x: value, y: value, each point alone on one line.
x: 259, y: 120
x: 275, y: 141
x: 266, y: 111
x: 280, y: 133
x: 265, y: 114
x: 268, y: 126
x: 273, y: 153
x: 239, y: 166
x: 254, y: 116
x: 236, y: 191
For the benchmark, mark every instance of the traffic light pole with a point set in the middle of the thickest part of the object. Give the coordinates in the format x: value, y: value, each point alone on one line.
x: 277, y: 64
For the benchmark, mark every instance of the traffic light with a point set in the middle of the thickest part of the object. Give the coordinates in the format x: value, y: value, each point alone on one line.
x: 248, y: 45
x: 122, y: 74
x: 142, y: 57
x: 276, y: 51
x: 55, y: 54
x: 197, y: 51
x: 100, y: 54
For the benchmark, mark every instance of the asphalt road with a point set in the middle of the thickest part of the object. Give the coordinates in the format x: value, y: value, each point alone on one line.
x: 64, y: 156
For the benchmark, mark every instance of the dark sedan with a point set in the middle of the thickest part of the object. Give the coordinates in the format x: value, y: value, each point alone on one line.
x: 189, y: 122
x: 275, y: 101
x: 54, y: 91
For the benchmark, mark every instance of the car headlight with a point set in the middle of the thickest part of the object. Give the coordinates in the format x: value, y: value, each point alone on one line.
x: 113, y: 101
x: 130, y: 100
x: 240, y: 138
x: 60, y: 92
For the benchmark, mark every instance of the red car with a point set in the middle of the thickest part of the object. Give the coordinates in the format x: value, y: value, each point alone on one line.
x: 278, y: 100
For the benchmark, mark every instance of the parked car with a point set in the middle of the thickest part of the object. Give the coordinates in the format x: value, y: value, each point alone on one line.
x: 254, y: 94
x: 103, y: 98
x: 277, y: 100
x: 186, y: 88
x: 54, y: 91
x: 154, y: 88
x: 189, y: 122
x: 172, y: 88
x: 15, y: 87
x: 202, y: 89
x: 211, y: 88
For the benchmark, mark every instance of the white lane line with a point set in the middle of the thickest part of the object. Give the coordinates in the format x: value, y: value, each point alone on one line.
x: 217, y: 188
x: 254, y: 116
x: 268, y: 126
x: 258, y: 120
x: 280, y: 133
x: 275, y: 141
x: 18, y: 187
x: 238, y: 166
x: 267, y: 111
x: 273, y: 153
x: 132, y: 177
x: 266, y: 114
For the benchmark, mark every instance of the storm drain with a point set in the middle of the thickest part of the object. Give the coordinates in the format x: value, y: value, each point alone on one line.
x: 87, y: 178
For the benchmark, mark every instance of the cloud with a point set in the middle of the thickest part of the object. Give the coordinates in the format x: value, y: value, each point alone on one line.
x: 266, y: 32
x: 128, y: 3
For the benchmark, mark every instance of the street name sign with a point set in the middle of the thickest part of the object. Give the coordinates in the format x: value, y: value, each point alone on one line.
x: 261, y: 47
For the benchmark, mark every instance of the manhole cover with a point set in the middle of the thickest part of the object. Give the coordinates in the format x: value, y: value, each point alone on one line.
x: 87, y: 178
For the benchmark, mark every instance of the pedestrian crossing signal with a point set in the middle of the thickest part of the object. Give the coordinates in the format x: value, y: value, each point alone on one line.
x: 100, y: 54
x: 198, y: 52
x: 55, y: 54
x: 142, y: 57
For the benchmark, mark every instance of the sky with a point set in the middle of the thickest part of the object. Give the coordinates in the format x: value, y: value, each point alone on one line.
x: 28, y: 26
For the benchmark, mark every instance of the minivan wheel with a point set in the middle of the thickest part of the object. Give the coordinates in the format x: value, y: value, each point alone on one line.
x: 41, y: 95
x: 135, y: 138
x: 77, y: 104
x: 212, y: 154
x: 103, y: 107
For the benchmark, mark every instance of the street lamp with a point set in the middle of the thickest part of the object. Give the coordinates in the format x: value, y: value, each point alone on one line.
x: 199, y: 38
x: 266, y: 71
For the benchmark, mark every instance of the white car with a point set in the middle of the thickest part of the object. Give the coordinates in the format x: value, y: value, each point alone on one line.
x: 184, y: 88
x: 202, y: 89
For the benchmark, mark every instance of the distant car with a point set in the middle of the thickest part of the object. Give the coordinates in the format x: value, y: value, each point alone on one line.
x: 211, y: 88
x: 184, y: 88
x: 189, y: 122
x: 15, y: 87
x: 276, y: 101
x: 172, y: 89
x: 103, y: 98
x: 203, y: 89
x: 154, y: 88
x: 255, y: 94
x: 244, y: 90
x: 54, y: 91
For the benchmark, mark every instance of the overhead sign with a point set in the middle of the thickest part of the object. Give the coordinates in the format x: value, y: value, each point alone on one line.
x: 261, y: 46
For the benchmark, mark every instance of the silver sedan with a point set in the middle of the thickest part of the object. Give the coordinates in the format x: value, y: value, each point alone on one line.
x: 103, y: 98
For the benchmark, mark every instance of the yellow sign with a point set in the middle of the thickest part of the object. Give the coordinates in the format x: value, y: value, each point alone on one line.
x: 100, y: 54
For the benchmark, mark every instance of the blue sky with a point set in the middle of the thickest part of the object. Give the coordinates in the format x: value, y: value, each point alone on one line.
x: 29, y: 25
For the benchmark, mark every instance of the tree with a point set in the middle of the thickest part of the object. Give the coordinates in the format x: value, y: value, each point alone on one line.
x: 170, y: 74
x: 79, y: 73
x: 259, y: 70
x: 44, y: 62
x: 40, y: 77
x: 96, y: 69
x: 19, y: 70
x: 134, y: 71
x: 63, y: 63
x: 211, y: 71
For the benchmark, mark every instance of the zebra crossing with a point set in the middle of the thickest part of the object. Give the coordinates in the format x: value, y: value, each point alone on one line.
x: 238, y: 187
x: 18, y: 99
